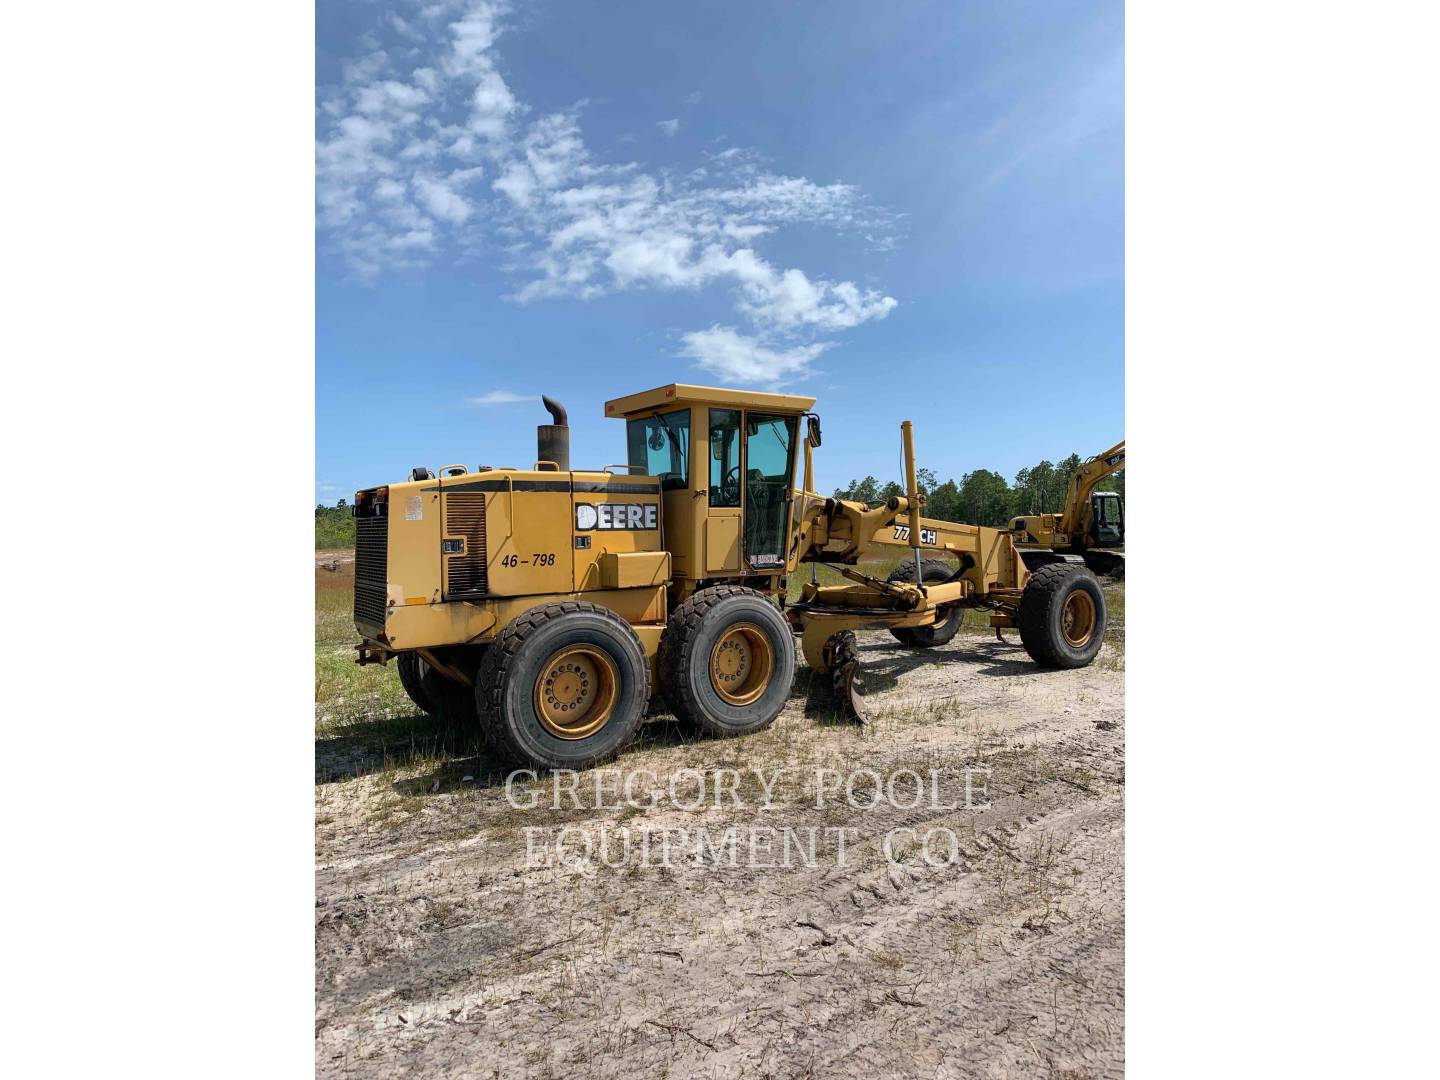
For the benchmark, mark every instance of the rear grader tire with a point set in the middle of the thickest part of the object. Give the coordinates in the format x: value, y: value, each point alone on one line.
x: 564, y: 686
x: 925, y: 637
x: 1062, y: 616
x: 452, y: 702
x: 412, y: 673
x: 727, y: 661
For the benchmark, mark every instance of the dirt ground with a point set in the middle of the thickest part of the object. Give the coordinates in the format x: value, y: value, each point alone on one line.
x: 447, y: 946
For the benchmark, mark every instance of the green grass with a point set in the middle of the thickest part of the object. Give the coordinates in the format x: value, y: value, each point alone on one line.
x: 365, y: 723
x: 343, y: 689
x: 1113, y: 659
x: 828, y: 575
x: 1114, y: 605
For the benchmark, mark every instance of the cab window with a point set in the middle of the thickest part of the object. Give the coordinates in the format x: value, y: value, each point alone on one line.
x: 659, y: 446
x: 770, y: 440
x: 725, y: 478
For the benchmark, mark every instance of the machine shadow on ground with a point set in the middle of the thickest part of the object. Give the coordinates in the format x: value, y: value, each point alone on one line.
x: 659, y: 731
x: 883, y: 673
x: 368, y: 746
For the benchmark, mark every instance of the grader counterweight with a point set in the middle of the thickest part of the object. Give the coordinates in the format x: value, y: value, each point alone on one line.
x: 551, y: 603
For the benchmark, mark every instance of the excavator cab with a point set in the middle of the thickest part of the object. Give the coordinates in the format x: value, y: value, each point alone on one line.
x: 1107, y: 519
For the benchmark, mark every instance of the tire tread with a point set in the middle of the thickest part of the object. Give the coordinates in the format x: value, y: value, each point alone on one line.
x: 500, y: 659
x: 924, y: 637
x: 407, y: 665
x: 1033, y: 618
x: 677, y: 652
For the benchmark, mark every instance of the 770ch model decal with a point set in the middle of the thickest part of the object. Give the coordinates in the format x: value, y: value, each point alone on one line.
x: 927, y: 536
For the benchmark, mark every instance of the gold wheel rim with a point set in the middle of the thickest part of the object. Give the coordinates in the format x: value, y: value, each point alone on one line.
x: 741, y: 664
x: 576, y: 691
x: 1077, y: 618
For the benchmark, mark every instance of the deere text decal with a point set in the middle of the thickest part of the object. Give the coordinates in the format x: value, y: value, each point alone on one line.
x: 628, y: 516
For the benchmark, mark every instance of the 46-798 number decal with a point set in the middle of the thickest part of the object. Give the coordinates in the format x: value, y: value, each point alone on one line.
x: 537, y: 558
x: 927, y: 536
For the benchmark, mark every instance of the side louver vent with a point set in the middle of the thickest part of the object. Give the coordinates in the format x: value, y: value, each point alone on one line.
x: 466, y: 574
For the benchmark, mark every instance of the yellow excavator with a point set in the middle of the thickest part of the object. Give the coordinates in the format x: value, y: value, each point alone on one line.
x: 1091, y: 525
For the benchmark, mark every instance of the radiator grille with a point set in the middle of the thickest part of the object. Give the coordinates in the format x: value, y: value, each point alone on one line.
x: 466, y: 575
x: 371, y: 541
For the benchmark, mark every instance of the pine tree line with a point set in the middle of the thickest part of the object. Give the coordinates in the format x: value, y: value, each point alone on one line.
x: 981, y: 497
x: 334, y: 526
x: 984, y: 497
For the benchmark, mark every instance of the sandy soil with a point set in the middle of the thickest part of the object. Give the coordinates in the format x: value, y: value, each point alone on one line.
x: 440, y: 950
x: 334, y: 559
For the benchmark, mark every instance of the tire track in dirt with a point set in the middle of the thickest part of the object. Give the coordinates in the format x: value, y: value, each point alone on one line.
x: 437, y: 952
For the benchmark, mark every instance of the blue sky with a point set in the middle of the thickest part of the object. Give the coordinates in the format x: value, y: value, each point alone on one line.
x: 907, y: 210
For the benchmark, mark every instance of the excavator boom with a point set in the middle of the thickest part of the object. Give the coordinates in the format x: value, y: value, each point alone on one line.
x: 1084, y: 482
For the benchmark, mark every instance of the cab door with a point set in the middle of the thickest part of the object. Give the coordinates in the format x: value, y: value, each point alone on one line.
x: 769, y: 473
x: 1108, y: 516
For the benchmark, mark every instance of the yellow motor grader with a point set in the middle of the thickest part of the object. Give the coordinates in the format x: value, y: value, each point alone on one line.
x: 550, y: 603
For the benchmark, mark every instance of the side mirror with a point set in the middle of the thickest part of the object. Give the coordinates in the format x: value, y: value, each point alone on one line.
x: 812, y: 429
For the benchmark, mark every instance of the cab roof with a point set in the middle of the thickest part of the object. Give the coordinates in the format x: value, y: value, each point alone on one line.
x: 684, y: 394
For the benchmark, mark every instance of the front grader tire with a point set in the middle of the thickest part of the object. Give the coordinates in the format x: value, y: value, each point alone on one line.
x: 412, y: 674
x: 563, y: 686
x: 843, y: 653
x: 925, y: 637
x: 1062, y: 616
x: 727, y: 661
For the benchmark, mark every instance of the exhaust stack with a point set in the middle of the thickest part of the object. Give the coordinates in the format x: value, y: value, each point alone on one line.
x: 552, y: 441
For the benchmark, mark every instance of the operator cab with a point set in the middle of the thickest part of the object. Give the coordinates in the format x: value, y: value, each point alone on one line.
x: 726, y: 460
x: 1107, y: 516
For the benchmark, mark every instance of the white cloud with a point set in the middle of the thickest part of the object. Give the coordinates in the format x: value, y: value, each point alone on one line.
x: 741, y: 359
x: 397, y: 147
x: 517, y: 182
x: 438, y: 155
x: 441, y: 200
x: 502, y: 397
x: 490, y: 104
x: 472, y: 37
x: 389, y: 96
x: 791, y: 299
